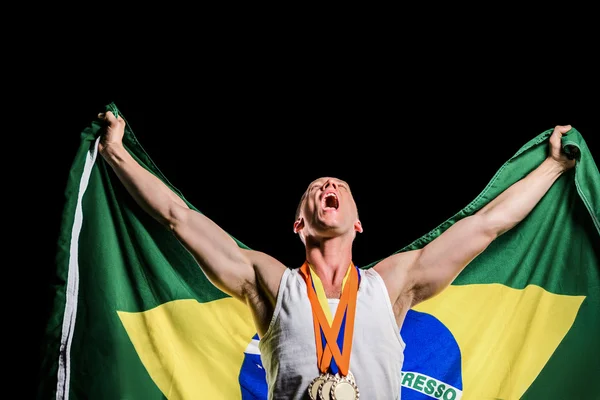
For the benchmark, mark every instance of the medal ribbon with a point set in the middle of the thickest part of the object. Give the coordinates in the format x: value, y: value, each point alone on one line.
x: 324, y: 302
x: 328, y: 348
x: 318, y: 286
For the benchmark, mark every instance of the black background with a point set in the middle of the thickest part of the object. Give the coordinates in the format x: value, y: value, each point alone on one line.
x: 243, y: 135
x: 243, y: 150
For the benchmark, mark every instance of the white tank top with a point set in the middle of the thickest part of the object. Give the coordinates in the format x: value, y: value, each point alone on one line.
x: 288, y: 351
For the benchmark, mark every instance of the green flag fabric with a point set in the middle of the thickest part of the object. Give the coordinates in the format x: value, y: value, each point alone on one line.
x: 135, y: 318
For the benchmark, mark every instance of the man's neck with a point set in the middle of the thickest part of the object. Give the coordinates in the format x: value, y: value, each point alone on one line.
x: 330, y: 260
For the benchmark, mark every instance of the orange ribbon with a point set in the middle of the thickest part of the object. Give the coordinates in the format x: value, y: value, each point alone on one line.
x: 346, y: 305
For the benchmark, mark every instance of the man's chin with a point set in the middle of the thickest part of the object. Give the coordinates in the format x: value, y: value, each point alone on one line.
x: 331, y: 230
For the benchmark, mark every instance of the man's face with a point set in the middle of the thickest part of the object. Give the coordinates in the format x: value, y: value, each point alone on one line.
x: 328, y: 209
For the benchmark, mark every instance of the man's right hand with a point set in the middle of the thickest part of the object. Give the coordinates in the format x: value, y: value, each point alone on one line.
x: 114, y: 129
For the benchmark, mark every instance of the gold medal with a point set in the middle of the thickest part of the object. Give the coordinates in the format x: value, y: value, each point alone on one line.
x: 325, y: 388
x: 313, y: 388
x: 344, y: 389
x: 351, y: 376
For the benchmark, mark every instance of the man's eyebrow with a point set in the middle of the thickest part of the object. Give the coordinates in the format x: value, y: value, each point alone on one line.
x: 341, y: 182
x: 320, y: 182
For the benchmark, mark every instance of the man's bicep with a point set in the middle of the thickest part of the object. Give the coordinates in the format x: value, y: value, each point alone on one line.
x: 440, y: 261
x: 217, y: 254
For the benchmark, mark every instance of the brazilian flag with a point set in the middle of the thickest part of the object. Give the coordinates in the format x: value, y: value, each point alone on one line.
x: 135, y: 318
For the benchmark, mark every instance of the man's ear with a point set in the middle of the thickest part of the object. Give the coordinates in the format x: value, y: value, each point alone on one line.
x: 298, y: 225
x: 358, y: 226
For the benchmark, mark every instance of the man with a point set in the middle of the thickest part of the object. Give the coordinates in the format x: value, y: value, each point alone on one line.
x: 328, y: 329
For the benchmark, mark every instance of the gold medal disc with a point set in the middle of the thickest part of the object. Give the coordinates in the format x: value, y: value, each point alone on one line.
x: 313, y: 388
x: 344, y: 389
x: 325, y: 388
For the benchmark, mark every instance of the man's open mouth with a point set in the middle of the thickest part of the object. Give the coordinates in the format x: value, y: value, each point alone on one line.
x: 330, y: 201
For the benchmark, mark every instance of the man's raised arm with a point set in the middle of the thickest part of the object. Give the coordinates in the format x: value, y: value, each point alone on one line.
x: 424, y: 273
x: 228, y: 267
